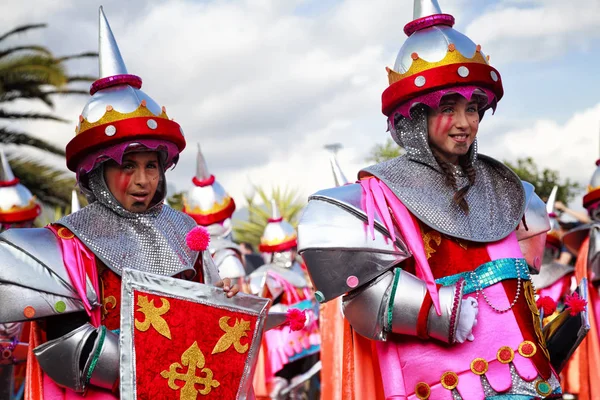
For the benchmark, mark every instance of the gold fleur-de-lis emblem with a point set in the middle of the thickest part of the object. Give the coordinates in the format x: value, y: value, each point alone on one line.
x: 193, y: 359
x: 153, y: 316
x: 431, y: 236
x: 233, y: 335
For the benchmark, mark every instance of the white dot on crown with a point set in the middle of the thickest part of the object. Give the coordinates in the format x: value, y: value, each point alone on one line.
x: 152, y: 124
x: 110, y: 130
x: 463, y: 71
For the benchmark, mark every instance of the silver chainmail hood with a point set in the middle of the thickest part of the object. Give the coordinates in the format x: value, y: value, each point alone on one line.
x: 152, y: 241
x: 496, y: 200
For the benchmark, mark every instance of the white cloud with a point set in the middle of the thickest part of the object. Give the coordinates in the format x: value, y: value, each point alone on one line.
x: 541, y: 30
x: 263, y: 87
x: 570, y: 148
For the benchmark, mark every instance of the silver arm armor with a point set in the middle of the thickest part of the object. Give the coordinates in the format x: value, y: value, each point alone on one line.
x: 338, y: 251
x: 342, y: 257
x: 531, y: 232
x: 392, y: 304
x: 61, y: 358
x: 229, y: 263
x: 33, y: 277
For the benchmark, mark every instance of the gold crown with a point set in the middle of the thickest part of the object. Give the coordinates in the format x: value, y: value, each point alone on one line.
x: 276, y: 241
x: 31, y: 204
x: 419, y: 65
x: 112, y: 115
x: 217, y: 207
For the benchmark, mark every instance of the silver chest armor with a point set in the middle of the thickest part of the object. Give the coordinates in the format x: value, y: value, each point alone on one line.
x: 153, y: 241
x: 416, y: 178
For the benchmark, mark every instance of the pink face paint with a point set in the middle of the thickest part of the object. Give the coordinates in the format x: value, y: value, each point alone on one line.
x: 123, y: 181
x: 438, y: 122
x: 447, y: 125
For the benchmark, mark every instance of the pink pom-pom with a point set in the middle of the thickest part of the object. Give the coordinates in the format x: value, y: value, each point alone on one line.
x: 575, y: 304
x: 546, y: 304
x: 198, y: 239
x: 296, y: 319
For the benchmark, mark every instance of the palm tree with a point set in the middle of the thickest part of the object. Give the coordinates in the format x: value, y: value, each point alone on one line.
x: 33, y: 73
x: 251, y: 230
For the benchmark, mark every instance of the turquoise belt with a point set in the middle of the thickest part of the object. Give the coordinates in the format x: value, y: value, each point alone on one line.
x: 489, y: 274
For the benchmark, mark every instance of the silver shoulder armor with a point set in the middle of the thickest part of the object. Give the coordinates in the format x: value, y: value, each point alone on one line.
x: 33, y: 276
x: 574, y: 238
x: 62, y: 358
x: 260, y: 279
x: 550, y: 273
x: 532, y: 230
x: 338, y: 250
x: 229, y: 263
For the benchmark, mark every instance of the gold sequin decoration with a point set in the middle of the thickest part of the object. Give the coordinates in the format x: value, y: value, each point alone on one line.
x: 419, y: 65
x: 479, y: 366
x: 192, y: 358
x: 64, y: 233
x: 233, y: 335
x: 535, y: 315
x: 153, y: 316
x: 431, y: 236
x: 217, y: 207
x: 422, y: 391
x: 113, y: 115
x: 523, y: 345
x: 505, y: 354
x: 449, y: 380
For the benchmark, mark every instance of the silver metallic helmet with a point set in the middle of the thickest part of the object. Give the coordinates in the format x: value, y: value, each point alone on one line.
x: 207, y: 202
x: 119, y: 113
x: 279, y: 235
x: 435, y: 57
x: 18, y: 207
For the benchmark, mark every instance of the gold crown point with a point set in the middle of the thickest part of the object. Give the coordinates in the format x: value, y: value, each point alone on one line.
x: 164, y: 109
x: 451, y: 47
x: 414, y: 56
x: 478, y: 48
x: 488, y: 58
x: 109, y: 108
x: 80, y: 118
x: 143, y: 103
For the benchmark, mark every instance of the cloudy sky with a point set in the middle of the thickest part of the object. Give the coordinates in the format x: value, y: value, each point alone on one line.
x: 263, y: 85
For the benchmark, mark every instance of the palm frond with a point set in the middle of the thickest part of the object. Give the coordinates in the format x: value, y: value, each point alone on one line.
x: 29, y: 115
x: 22, y: 139
x: 87, y: 54
x: 37, y: 49
x: 81, y: 78
x: 20, y: 29
x: 33, y: 68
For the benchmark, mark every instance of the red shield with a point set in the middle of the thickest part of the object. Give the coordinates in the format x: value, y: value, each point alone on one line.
x: 185, y: 340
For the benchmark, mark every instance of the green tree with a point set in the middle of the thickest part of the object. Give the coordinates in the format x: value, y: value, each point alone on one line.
x: 290, y: 206
x: 32, y: 73
x: 544, y: 180
x: 383, y: 152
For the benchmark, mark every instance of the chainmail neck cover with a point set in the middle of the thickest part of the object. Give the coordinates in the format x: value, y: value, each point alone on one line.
x: 152, y: 241
x: 496, y: 200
